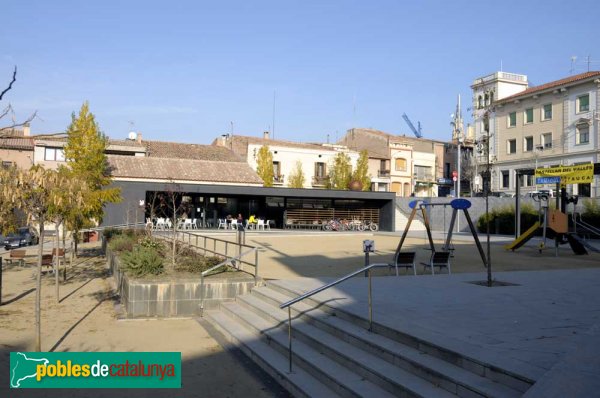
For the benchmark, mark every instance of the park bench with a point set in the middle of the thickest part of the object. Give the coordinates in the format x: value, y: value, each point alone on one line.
x: 61, y: 253
x: 404, y: 260
x: 17, y: 255
x: 48, y: 261
x: 438, y: 259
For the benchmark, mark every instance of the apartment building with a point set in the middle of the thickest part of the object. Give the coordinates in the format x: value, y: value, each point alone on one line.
x: 548, y: 125
x: 416, y: 166
x: 314, y: 158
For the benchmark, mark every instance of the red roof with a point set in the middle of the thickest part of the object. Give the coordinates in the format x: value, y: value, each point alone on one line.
x: 556, y: 83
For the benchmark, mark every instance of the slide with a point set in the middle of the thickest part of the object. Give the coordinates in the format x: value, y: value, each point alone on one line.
x: 580, y: 245
x: 525, y: 236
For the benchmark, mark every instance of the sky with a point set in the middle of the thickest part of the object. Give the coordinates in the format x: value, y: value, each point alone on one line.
x: 190, y: 71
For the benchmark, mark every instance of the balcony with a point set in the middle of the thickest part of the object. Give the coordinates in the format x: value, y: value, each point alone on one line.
x: 278, y: 179
x: 320, y: 181
x: 423, y: 177
x: 383, y: 173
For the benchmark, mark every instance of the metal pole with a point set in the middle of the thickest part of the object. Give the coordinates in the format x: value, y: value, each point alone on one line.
x: 518, y: 205
x: 1, y: 280
x: 367, y: 263
x: 370, y: 304
x: 255, y: 267
x: 290, y: 336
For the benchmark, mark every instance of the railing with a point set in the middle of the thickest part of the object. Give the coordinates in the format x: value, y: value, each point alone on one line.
x: 383, y: 173
x: 319, y: 180
x: 278, y: 179
x: 423, y: 177
x: 289, y: 304
x: 236, y: 261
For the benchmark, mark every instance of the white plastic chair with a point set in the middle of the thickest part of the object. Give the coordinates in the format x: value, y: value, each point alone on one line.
x: 160, y: 223
x: 234, y: 224
x: 222, y: 223
x: 187, y: 224
x: 260, y: 224
x: 195, y: 223
x: 268, y: 224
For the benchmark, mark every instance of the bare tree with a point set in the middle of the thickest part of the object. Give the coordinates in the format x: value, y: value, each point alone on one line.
x: 8, y: 110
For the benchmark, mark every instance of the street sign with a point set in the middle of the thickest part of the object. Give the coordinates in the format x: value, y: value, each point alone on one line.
x: 455, y: 174
x: 547, y: 180
x: 368, y: 246
x: 455, y: 178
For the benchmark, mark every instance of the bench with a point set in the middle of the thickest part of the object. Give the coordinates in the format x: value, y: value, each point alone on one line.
x: 61, y: 253
x: 438, y: 259
x: 48, y: 261
x: 17, y: 255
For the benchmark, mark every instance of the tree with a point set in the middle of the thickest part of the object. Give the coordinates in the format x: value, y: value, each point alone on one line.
x: 264, y: 167
x: 8, y: 218
x: 362, y: 169
x: 340, y: 172
x: 8, y: 110
x: 32, y: 192
x: 297, y: 179
x: 67, y: 197
x: 86, y: 158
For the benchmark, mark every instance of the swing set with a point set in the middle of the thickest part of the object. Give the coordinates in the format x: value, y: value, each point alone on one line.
x: 440, y: 258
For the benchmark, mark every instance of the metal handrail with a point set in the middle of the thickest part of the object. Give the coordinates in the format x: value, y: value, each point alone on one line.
x: 223, y: 263
x: 288, y: 304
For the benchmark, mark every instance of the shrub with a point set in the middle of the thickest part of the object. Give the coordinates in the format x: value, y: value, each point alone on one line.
x: 191, y: 261
x: 591, y: 212
x: 120, y: 243
x: 142, y: 261
x: 148, y: 242
x: 502, y: 219
x: 108, y: 233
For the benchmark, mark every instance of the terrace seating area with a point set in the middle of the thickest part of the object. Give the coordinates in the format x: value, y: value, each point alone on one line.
x: 319, y: 218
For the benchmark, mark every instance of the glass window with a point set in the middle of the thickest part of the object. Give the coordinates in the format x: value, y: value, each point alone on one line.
x: 400, y: 164
x: 505, y: 179
x: 276, y: 169
x: 511, y: 146
x: 529, y: 115
x: 547, y: 112
x: 583, y: 135
x: 547, y: 140
x: 528, y: 144
x: 583, y: 103
x: 60, y: 155
x: 319, y: 169
x: 512, y: 119
x: 50, y: 154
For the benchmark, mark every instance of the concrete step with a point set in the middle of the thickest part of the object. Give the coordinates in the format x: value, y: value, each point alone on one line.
x: 485, y: 370
x: 299, y: 383
x: 334, y: 376
x: 328, y: 332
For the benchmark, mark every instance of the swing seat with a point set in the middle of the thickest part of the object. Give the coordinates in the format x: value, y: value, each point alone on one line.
x: 438, y: 259
x: 404, y: 260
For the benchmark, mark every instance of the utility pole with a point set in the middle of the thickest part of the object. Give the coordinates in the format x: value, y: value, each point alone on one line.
x: 458, y: 134
x: 488, y: 179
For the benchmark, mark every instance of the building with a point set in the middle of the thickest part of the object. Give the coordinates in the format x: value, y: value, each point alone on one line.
x: 315, y: 159
x: 548, y: 125
x: 415, y: 166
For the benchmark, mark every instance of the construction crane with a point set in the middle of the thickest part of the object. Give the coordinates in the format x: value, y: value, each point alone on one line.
x: 417, y: 132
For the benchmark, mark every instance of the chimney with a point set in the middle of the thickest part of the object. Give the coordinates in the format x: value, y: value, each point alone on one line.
x: 266, y: 135
x: 26, y: 130
x: 139, y: 138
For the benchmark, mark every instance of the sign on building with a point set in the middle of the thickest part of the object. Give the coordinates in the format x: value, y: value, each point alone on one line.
x: 578, y: 174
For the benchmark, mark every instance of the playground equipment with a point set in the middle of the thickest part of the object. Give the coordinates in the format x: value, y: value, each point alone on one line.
x: 556, y: 220
x: 440, y: 258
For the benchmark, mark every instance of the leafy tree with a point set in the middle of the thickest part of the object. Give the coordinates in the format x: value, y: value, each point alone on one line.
x: 264, y: 167
x: 87, y: 161
x: 362, y: 169
x: 340, y: 172
x: 32, y: 192
x: 297, y: 179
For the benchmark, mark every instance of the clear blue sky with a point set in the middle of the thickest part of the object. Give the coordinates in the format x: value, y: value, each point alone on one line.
x: 184, y: 71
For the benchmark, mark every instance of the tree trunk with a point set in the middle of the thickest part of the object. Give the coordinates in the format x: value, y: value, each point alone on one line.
x: 38, y: 290
x: 57, y: 263
x: 64, y: 246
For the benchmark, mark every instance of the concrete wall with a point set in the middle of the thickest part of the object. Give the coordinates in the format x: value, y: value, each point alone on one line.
x: 436, y: 213
x: 175, y: 298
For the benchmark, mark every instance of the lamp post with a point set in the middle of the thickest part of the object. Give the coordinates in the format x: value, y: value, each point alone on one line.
x: 487, y: 178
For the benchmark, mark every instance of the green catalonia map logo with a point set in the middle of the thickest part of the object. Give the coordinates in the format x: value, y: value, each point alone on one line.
x: 95, y: 370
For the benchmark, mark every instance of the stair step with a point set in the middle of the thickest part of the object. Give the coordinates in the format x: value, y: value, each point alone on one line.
x: 357, y: 381
x: 489, y: 372
x: 299, y: 383
x: 329, y: 330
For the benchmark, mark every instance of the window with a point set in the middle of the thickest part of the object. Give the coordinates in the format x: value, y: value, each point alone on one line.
x: 583, y: 134
x: 320, y: 169
x: 276, y: 169
x: 547, y: 140
x: 54, y: 154
x: 447, y: 173
x: 423, y: 173
x: 7, y: 164
x: 505, y: 179
x: 547, y: 112
x: 512, y: 119
x: 397, y: 187
x: 382, y: 187
x: 511, y: 146
x: 528, y: 144
x: 400, y: 164
x: 479, y: 102
x: 528, y: 115
x: 583, y: 103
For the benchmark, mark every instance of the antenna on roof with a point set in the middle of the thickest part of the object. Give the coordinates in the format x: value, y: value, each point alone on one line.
x: 132, y: 134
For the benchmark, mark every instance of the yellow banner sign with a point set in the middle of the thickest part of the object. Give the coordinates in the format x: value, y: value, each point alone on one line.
x: 578, y: 174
